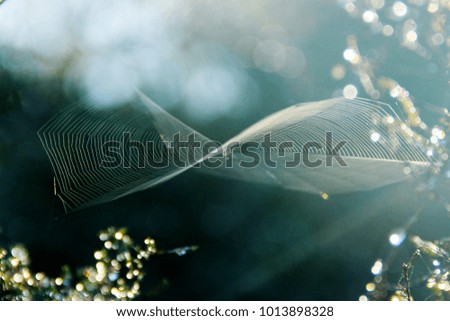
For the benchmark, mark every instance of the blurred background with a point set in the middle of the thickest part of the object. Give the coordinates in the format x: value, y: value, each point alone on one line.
x: 220, y: 66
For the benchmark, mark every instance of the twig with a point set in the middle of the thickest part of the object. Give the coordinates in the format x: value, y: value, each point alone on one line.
x: 406, y: 269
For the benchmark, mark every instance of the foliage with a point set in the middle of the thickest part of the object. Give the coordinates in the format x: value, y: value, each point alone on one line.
x: 116, y: 274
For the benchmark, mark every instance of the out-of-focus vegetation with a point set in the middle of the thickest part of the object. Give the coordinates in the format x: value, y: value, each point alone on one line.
x: 425, y: 32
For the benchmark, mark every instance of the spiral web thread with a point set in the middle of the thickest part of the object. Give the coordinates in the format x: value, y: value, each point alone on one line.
x: 376, y: 149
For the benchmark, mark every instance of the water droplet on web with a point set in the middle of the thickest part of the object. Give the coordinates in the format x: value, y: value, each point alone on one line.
x: 324, y: 195
x: 377, y: 267
x: 183, y: 250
